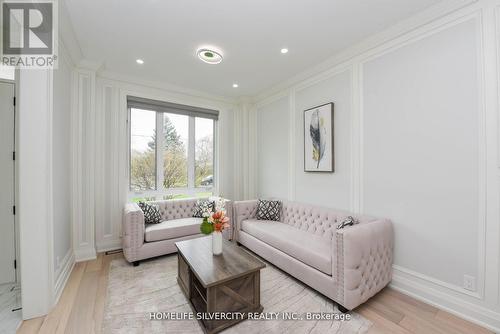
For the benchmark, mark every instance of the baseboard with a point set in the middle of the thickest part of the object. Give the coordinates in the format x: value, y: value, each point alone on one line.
x: 445, y: 287
x: 85, y: 253
x: 108, y: 245
x: 445, y: 301
x: 63, y: 275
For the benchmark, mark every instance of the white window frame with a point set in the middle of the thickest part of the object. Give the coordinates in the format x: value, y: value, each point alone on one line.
x: 191, y: 190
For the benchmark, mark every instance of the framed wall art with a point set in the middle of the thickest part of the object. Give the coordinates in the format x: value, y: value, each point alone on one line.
x: 318, y: 139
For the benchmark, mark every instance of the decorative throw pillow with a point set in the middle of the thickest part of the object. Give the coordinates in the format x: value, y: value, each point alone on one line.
x: 268, y: 210
x: 203, y: 208
x: 349, y: 221
x: 151, y: 213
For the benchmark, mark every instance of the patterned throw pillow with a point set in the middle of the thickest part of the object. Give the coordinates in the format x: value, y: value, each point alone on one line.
x: 151, y: 213
x: 269, y: 210
x: 203, y: 206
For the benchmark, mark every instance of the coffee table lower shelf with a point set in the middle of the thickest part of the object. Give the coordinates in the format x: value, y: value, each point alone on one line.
x: 240, y: 295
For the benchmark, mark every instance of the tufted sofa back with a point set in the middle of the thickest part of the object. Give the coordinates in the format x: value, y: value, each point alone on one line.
x: 314, y: 219
x: 177, y: 208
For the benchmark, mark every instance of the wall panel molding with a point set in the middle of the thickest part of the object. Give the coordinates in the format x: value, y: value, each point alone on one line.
x: 356, y: 138
x: 496, y: 35
x: 84, y: 156
x: 481, y: 158
x: 400, y: 271
x: 111, y: 152
x: 483, y: 305
x: 108, y: 210
x: 237, y: 174
x: 333, y: 190
x: 491, y: 27
x: 35, y: 213
x: 424, y: 290
x: 292, y: 143
x: 63, y: 274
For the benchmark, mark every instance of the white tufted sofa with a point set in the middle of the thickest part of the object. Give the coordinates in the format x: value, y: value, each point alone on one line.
x: 349, y: 265
x: 142, y: 241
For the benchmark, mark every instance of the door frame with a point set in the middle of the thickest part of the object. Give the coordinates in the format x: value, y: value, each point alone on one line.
x: 17, y: 271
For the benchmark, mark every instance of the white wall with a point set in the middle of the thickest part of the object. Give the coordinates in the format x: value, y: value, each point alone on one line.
x: 83, y: 130
x: 7, y: 72
x: 272, y: 149
x: 61, y: 148
x: 421, y: 150
x: 330, y: 190
x: 245, y: 138
x: 416, y: 140
x: 274, y: 145
x: 44, y: 174
x: 35, y: 190
x: 100, y: 160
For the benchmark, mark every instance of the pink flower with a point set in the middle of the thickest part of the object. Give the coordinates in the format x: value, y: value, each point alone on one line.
x: 219, y: 220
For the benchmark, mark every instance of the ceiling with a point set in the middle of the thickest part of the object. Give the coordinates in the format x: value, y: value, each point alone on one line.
x: 250, y: 34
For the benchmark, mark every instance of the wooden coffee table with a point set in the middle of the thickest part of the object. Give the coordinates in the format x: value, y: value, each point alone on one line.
x: 226, y: 284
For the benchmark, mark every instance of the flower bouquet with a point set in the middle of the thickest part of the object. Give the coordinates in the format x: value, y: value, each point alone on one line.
x: 214, y: 224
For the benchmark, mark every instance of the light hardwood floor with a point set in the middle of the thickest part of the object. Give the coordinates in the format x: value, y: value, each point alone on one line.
x: 80, y: 309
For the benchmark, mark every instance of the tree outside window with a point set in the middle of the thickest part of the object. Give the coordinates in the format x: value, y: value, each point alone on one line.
x: 204, y: 153
x: 169, y: 176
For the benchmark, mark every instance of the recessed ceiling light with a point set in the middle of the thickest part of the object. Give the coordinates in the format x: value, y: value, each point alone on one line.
x: 235, y: 85
x: 139, y: 61
x: 284, y: 50
x: 209, y: 55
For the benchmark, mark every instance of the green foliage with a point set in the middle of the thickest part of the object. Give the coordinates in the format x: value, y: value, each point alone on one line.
x: 175, y: 164
x: 206, y: 227
x: 204, y: 194
x: 143, y: 199
x: 175, y: 168
x: 204, y: 159
x: 172, y: 140
x: 175, y: 196
x: 142, y: 170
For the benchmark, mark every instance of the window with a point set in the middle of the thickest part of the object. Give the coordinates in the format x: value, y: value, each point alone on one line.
x: 175, y: 150
x: 142, y: 150
x: 171, y: 150
x: 204, y: 153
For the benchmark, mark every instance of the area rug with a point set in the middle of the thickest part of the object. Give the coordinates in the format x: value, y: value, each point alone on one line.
x: 135, y: 292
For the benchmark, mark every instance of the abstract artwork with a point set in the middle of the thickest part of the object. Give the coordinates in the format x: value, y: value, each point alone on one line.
x: 318, y: 139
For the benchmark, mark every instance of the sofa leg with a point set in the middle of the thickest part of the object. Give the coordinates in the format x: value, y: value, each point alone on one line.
x: 238, y: 244
x: 342, y: 308
x: 136, y: 263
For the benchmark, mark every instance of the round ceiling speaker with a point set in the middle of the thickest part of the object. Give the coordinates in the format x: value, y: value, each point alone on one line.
x: 209, y: 56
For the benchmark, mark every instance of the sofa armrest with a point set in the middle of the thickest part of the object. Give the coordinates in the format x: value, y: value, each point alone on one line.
x: 133, y: 231
x: 243, y: 210
x: 228, y: 206
x: 363, y: 256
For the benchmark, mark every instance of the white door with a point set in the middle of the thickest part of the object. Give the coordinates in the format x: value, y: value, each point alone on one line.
x: 7, y: 221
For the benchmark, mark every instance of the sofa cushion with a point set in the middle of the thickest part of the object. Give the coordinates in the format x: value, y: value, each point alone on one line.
x: 204, y: 207
x: 268, y: 210
x: 151, y: 213
x: 170, y: 229
x: 308, y: 248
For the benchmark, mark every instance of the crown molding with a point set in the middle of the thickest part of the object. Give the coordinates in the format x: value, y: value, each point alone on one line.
x: 128, y: 79
x: 67, y: 34
x: 412, y: 23
x: 91, y: 65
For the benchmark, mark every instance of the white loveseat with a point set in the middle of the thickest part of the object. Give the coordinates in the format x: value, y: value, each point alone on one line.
x: 348, y: 265
x: 141, y: 241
